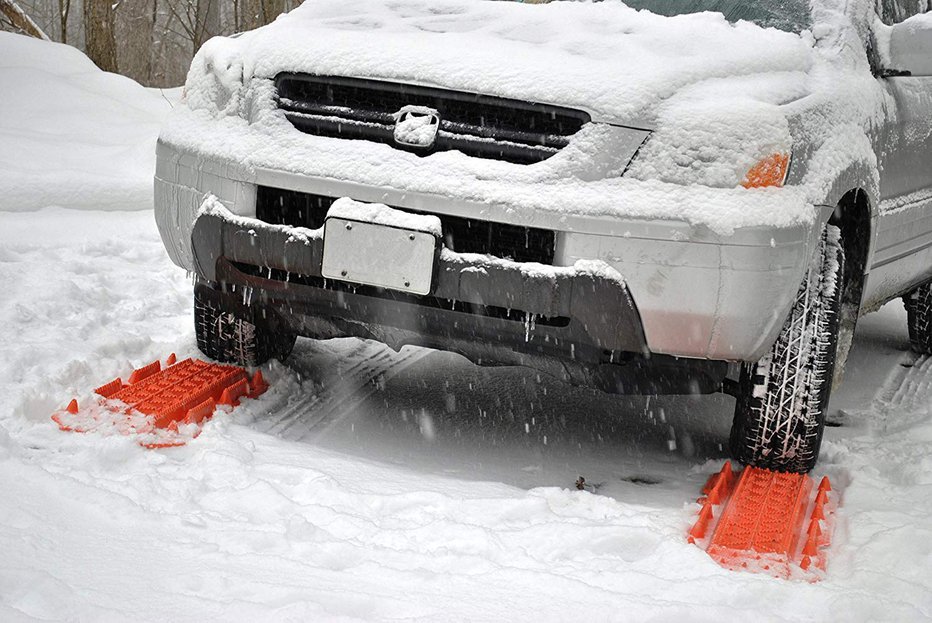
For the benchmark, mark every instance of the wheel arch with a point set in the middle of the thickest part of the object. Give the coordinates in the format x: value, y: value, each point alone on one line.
x: 853, y: 214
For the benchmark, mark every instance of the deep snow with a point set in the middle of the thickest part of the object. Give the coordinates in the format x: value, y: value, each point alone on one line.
x: 71, y: 135
x: 371, y: 485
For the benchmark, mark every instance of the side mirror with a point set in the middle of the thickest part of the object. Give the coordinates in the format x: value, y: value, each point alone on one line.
x: 911, y: 47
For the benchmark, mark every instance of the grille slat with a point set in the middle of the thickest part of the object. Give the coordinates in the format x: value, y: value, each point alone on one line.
x: 481, y: 126
x: 463, y: 235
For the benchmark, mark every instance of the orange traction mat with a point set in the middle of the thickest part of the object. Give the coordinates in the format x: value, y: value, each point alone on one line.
x: 165, y: 407
x: 765, y: 521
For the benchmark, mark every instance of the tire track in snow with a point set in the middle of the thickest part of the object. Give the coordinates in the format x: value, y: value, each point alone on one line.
x: 906, y: 398
x: 374, y: 364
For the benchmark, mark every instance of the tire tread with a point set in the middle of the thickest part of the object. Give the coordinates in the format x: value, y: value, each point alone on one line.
x: 782, y: 399
x: 226, y: 338
x: 918, y: 305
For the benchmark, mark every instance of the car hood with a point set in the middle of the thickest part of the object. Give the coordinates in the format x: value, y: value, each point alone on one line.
x: 612, y: 61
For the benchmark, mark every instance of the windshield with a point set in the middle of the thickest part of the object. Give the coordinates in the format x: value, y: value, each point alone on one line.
x: 789, y: 15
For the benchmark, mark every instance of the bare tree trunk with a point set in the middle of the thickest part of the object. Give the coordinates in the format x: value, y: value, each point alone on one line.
x: 20, y: 21
x: 99, y: 39
x: 206, y: 23
x: 251, y: 14
x: 256, y: 13
x: 134, y: 29
x: 64, y: 9
x: 154, y: 42
x: 272, y: 9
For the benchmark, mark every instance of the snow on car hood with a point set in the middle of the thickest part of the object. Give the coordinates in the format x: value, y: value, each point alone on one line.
x: 615, y: 62
x: 717, y: 97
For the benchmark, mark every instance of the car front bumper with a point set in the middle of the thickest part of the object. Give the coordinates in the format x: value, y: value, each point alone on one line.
x: 282, y: 265
x: 697, y: 293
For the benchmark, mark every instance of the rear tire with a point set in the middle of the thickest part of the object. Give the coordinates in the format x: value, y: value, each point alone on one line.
x: 782, y: 399
x: 918, y: 305
x: 224, y: 337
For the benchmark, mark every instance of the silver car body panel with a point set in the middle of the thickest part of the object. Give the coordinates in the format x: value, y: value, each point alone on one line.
x: 902, y: 253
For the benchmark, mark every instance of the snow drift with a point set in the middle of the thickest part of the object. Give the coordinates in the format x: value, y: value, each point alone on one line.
x: 72, y: 135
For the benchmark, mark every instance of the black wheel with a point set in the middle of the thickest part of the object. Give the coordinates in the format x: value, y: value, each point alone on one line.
x: 226, y: 338
x: 918, y: 305
x: 781, y: 402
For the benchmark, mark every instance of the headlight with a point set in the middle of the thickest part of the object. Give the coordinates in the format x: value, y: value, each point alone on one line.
x: 770, y: 171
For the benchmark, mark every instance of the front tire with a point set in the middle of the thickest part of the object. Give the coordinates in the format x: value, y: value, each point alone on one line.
x: 224, y: 337
x: 782, y: 399
x: 918, y: 305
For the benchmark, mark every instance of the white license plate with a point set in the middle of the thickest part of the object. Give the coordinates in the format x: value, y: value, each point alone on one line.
x: 378, y: 255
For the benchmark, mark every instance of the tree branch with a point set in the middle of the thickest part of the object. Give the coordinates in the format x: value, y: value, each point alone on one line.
x: 20, y: 20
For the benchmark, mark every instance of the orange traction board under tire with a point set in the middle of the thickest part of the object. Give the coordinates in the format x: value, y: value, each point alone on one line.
x: 766, y: 521
x: 164, y: 407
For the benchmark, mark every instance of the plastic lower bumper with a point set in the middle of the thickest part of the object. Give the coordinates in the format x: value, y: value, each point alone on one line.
x: 574, y: 323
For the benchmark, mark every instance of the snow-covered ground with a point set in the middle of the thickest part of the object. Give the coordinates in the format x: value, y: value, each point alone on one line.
x: 367, y: 484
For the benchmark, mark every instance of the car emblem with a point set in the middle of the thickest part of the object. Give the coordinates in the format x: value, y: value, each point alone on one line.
x: 416, y: 126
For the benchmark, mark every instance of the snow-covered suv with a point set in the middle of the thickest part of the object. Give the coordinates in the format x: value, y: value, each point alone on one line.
x: 639, y: 202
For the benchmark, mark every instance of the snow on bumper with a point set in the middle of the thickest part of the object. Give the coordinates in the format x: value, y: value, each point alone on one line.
x: 713, y: 272
x: 591, y: 296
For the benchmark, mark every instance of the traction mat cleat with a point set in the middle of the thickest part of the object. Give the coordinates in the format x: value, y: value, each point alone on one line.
x: 766, y: 522
x: 163, y: 407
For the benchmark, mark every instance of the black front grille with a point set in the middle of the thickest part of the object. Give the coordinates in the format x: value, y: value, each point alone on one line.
x: 463, y: 235
x: 477, y: 125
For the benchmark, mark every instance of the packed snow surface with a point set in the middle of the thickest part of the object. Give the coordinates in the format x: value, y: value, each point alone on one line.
x: 370, y: 485
x: 373, y: 485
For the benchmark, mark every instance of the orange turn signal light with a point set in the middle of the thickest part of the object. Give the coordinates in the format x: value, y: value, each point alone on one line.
x: 771, y: 171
